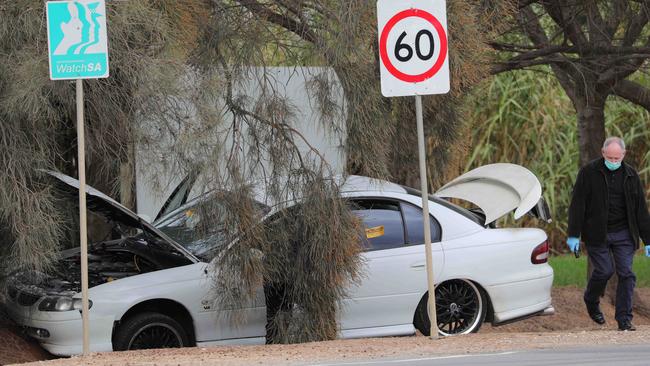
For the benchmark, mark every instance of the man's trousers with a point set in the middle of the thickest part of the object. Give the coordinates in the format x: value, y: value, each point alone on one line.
x: 622, y: 249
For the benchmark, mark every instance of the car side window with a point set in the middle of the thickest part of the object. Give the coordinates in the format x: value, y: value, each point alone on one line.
x: 382, y: 220
x: 414, y: 228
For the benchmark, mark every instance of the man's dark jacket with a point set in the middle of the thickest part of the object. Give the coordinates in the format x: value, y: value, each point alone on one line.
x: 589, y: 204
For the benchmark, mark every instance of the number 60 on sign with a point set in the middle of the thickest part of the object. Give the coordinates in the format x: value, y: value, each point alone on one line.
x: 413, y: 47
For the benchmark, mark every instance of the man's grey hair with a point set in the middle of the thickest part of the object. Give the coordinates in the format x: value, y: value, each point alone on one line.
x: 615, y: 139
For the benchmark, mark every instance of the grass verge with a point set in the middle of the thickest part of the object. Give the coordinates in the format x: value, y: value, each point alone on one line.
x: 570, y: 271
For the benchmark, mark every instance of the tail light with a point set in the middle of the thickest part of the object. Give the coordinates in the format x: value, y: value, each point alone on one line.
x: 540, y: 253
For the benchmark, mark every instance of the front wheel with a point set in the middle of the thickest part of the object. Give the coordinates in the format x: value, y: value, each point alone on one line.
x: 150, y: 330
x: 460, y: 309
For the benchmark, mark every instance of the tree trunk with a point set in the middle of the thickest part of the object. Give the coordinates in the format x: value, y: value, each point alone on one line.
x: 591, y: 125
x: 591, y: 134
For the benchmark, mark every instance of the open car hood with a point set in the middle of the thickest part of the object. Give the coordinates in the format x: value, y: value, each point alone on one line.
x: 497, y: 189
x: 98, y: 202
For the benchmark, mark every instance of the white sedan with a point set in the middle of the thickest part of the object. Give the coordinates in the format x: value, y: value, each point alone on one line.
x: 149, y: 290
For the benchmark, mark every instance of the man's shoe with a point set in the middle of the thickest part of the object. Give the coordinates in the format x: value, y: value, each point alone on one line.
x: 596, y: 315
x: 626, y: 326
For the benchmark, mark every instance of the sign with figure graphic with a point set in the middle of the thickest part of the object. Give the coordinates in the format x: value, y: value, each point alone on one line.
x: 77, y: 39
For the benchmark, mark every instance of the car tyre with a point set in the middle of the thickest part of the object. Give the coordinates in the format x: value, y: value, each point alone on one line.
x: 460, y: 309
x: 150, y: 330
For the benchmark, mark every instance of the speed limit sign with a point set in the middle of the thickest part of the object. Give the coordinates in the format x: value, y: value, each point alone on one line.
x: 413, y: 47
x: 413, y: 61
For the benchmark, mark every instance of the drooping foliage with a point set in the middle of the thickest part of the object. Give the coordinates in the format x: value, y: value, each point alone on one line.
x: 244, y: 37
x: 180, y: 70
x: 38, y: 116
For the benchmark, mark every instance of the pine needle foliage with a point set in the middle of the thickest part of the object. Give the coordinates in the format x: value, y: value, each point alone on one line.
x: 244, y: 140
x: 178, y: 70
x: 38, y: 116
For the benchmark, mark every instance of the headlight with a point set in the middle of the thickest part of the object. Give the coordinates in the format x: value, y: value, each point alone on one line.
x: 61, y: 303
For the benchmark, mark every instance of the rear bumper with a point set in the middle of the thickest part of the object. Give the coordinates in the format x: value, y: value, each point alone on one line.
x: 550, y: 310
x: 522, y: 299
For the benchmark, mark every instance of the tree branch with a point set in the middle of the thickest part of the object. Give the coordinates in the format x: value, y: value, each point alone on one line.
x: 633, y: 92
x: 565, y: 74
x: 556, y: 10
x: 524, y: 3
x: 619, y: 12
x: 301, y: 29
x: 637, y: 24
x: 522, y: 64
x: 598, y: 32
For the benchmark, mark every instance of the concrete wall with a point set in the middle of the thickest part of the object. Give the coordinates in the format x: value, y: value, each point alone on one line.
x: 291, y: 84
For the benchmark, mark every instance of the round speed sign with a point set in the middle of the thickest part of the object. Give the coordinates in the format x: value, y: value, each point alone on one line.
x: 413, y: 47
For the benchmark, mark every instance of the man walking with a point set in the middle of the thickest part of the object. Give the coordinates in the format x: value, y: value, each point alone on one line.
x: 608, y: 211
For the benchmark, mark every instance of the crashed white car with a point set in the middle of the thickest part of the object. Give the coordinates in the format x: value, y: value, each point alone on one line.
x: 149, y: 290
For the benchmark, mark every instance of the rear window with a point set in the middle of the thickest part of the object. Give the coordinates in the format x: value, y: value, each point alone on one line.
x: 462, y: 211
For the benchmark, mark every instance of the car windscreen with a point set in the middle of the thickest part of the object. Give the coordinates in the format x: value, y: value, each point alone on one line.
x: 202, y: 225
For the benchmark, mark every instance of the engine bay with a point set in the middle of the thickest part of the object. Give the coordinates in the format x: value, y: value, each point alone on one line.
x: 107, y: 261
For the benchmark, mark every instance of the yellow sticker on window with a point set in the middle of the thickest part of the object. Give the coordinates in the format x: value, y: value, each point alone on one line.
x: 373, y: 232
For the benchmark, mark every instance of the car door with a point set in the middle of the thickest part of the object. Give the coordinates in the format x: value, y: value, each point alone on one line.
x: 219, y: 323
x: 214, y: 321
x: 394, y: 272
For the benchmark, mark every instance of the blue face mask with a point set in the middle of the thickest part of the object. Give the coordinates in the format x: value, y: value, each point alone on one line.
x: 612, y: 166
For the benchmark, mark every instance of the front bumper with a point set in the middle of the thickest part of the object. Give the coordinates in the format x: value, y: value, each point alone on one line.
x: 60, y: 333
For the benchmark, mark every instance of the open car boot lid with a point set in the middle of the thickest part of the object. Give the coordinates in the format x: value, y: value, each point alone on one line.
x: 497, y: 189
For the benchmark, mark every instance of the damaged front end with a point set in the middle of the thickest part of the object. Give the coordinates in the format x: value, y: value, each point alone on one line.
x: 139, y: 248
x: 107, y: 261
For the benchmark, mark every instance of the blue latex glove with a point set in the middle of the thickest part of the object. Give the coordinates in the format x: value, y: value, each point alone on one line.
x: 647, y: 250
x: 573, y: 243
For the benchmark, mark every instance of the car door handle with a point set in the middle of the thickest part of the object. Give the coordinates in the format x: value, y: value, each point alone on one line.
x: 418, y: 265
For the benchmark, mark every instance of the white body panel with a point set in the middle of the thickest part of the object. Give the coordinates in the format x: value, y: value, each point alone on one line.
x: 497, y: 260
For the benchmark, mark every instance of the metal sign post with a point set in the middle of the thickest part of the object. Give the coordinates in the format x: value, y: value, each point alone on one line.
x: 425, y: 217
x: 81, y: 157
x: 414, y: 61
x: 78, y: 49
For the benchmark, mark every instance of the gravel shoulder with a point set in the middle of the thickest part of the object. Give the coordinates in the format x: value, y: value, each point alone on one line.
x: 360, y: 349
x: 569, y: 327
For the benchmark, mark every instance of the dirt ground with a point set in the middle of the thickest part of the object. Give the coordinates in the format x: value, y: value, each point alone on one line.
x: 570, y: 326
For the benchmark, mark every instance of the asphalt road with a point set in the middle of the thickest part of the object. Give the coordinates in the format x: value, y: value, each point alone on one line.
x: 606, y: 355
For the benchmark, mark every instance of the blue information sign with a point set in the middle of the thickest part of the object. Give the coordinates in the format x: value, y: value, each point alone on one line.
x: 77, y: 39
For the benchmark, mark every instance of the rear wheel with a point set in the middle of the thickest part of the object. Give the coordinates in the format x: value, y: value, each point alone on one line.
x: 150, y: 330
x: 460, y: 309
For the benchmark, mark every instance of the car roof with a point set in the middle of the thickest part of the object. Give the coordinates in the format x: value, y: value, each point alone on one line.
x: 358, y: 183
x: 352, y: 184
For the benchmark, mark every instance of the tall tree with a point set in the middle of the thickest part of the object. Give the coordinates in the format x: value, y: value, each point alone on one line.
x: 177, y: 71
x: 343, y: 36
x: 248, y: 35
x: 593, y: 47
x: 37, y: 115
